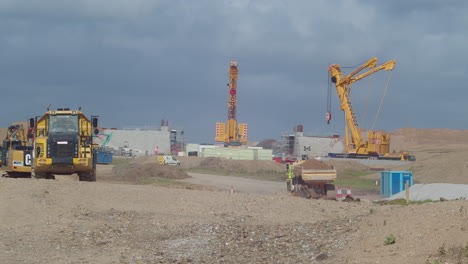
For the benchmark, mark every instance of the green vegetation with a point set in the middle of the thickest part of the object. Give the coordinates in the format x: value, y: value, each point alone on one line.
x: 354, y: 173
x: 403, y: 202
x: 455, y: 254
x: 442, y: 250
x: 390, y: 240
x: 164, y: 181
x: 258, y: 175
x: 351, y: 178
x: 363, y: 184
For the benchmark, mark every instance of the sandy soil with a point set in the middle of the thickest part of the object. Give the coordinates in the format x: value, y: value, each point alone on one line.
x: 65, y: 221
x: 120, y: 220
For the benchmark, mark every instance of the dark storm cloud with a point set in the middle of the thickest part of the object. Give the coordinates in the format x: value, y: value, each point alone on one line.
x: 137, y: 62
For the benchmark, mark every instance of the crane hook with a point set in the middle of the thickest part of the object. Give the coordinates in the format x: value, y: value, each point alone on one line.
x: 328, y: 117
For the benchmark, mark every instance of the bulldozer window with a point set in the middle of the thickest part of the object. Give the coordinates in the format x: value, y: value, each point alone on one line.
x: 63, y: 123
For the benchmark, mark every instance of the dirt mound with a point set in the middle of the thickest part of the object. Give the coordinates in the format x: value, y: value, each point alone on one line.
x: 445, y: 166
x: 250, y: 166
x: 190, y: 161
x: 267, y: 143
x: 4, y: 131
x: 144, y: 171
x: 341, y: 165
x: 405, y: 138
x: 313, y: 164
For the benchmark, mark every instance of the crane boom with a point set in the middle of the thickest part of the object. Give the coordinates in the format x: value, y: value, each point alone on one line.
x: 376, y: 143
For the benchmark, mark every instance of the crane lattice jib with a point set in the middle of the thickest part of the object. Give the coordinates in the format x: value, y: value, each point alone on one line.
x: 343, y: 85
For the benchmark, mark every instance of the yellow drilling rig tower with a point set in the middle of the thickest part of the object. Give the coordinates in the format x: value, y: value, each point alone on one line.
x: 231, y: 133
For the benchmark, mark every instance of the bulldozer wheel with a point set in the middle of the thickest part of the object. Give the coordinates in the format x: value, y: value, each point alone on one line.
x: 89, y: 176
x: 305, y: 193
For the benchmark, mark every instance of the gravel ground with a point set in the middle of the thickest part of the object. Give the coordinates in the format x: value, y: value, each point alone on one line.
x: 64, y: 221
x: 116, y: 221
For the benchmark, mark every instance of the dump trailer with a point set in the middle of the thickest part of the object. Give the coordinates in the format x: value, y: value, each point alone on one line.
x: 63, y: 145
x: 310, y: 178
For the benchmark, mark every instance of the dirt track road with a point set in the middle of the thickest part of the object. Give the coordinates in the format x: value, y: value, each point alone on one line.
x: 242, y: 185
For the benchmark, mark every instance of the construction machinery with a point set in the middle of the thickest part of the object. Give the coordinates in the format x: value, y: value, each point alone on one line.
x: 103, y: 152
x: 310, y: 178
x: 126, y: 151
x: 377, y: 145
x: 231, y: 133
x: 17, y: 152
x: 63, y: 145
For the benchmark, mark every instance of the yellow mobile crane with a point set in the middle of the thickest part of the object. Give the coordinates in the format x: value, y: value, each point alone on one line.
x: 377, y: 145
x: 232, y: 135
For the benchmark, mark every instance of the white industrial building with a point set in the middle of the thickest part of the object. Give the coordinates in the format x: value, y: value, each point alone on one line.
x: 298, y: 145
x: 317, y: 146
x: 139, y: 141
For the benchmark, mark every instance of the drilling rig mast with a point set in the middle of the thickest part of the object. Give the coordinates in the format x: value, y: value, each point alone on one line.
x: 232, y: 134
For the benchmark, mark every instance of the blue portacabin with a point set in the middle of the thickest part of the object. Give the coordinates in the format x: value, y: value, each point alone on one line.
x: 393, y: 182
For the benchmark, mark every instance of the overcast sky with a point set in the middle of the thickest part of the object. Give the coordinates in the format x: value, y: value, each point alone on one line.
x: 135, y: 62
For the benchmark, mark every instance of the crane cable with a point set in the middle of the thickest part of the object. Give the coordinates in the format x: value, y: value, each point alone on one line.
x: 381, y: 101
x: 364, y: 112
x: 329, y: 92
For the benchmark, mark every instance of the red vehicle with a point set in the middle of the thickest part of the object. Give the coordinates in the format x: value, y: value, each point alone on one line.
x: 284, y: 161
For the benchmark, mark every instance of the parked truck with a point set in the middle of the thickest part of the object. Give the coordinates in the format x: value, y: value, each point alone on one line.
x: 310, y: 178
x: 63, y: 145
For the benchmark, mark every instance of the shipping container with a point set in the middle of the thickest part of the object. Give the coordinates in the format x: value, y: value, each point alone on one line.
x: 393, y: 182
x: 104, y: 158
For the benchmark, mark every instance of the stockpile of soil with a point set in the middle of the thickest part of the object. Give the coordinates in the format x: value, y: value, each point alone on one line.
x: 144, y: 171
x: 188, y: 162
x: 413, y: 138
x: 267, y: 143
x: 445, y: 166
x: 341, y: 165
x: 250, y: 166
x: 313, y: 164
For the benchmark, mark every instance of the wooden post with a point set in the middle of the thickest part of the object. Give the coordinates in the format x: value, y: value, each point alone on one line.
x: 407, y: 191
